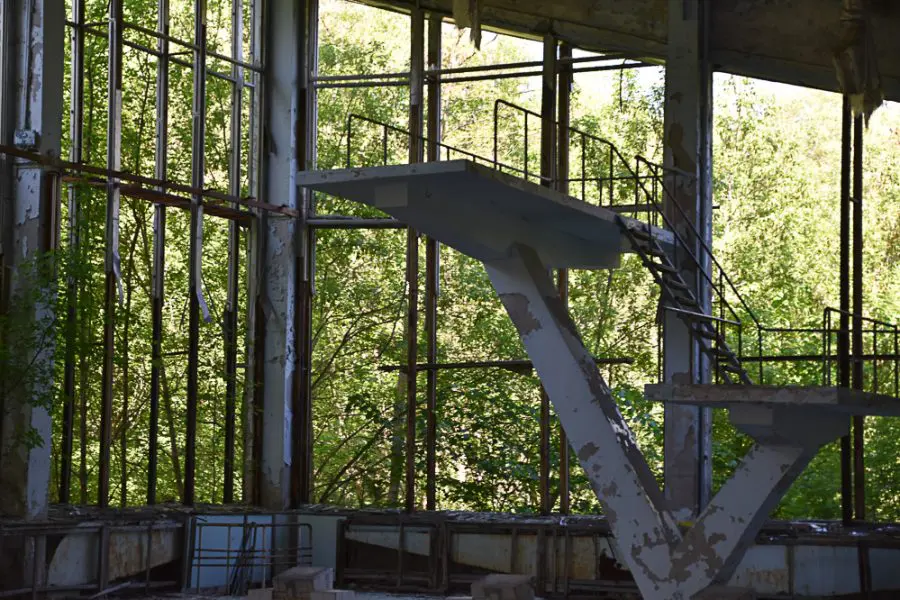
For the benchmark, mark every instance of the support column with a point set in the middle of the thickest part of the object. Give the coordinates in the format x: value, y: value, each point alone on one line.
x: 276, y: 249
x: 31, y: 104
x: 305, y: 239
x: 687, y: 147
x: 432, y: 267
x: 562, y: 282
x: 31, y: 118
x: 664, y: 562
x: 548, y: 179
x: 416, y: 155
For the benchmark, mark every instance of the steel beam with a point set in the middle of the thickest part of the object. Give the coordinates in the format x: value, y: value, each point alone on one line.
x: 843, y: 341
x: 859, y: 464
x: 564, y: 91
x: 416, y: 155
x: 230, y: 318
x: 548, y: 179
x: 113, y: 263
x: 158, y: 270
x: 305, y: 246
x: 432, y: 268
x: 687, y: 148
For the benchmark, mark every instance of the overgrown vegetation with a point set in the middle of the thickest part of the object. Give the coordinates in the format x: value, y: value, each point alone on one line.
x: 776, y: 188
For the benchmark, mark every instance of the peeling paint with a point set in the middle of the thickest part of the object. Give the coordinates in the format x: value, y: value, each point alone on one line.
x: 517, y: 306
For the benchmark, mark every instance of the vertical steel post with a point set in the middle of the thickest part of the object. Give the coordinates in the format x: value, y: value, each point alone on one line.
x: 548, y: 179
x: 302, y: 444
x: 564, y: 91
x: 416, y: 154
x: 76, y: 128
x: 198, y: 136
x: 432, y: 267
x: 844, y: 333
x: 159, y: 243
x: 859, y: 467
x: 234, y: 249
x: 114, y: 162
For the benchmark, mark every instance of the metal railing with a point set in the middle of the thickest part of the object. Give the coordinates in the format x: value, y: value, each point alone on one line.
x: 645, y: 191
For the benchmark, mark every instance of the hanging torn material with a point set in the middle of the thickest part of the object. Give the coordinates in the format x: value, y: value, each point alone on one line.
x: 467, y: 13
x: 855, y: 60
x: 198, y: 265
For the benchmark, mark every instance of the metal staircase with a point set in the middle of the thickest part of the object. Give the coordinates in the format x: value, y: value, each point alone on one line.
x: 683, y: 302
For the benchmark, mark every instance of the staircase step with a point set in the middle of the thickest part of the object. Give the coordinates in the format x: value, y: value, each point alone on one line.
x: 641, y: 233
x: 662, y: 267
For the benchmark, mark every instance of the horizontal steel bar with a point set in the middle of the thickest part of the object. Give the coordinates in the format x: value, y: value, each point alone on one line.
x: 143, y: 181
x: 502, y: 364
x: 343, y: 223
x: 818, y: 357
x: 702, y: 316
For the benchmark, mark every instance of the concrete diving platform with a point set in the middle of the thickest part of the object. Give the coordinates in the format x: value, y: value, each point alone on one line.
x: 482, y: 212
x: 813, y: 398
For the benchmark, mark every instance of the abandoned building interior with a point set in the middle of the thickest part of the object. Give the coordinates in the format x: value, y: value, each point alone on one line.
x: 420, y: 293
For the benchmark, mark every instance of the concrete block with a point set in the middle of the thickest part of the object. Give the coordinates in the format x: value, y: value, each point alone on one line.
x: 333, y: 595
x: 503, y: 587
x: 300, y: 582
x: 721, y: 592
x: 259, y: 594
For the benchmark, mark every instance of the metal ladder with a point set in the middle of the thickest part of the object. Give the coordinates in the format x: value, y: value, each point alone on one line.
x: 683, y: 302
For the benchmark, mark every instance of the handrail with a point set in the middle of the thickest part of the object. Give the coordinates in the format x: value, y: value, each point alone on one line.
x: 650, y: 201
x: 703, y: 243
x: 400, y: 131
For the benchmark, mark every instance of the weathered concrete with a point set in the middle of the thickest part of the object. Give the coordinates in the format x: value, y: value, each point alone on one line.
x: 278, y: 245
x: 789, y: 40
x: 31, y: 73
x: 664, y: 563
x: 840, y: 400
x: 30, y: 230
x: 482, y: 212
x: 299, y: 583
x: 688, y: 472
x: 503, y: 587
x: 332, y: 595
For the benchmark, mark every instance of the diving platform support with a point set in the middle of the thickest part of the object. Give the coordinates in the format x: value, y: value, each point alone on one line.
x: 520, y: 230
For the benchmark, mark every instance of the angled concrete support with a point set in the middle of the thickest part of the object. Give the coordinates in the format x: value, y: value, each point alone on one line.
x: 665, y: 563
x: 602, y: 441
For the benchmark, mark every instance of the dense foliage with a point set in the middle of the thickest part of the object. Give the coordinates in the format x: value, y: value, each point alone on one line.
x: 776, y: 188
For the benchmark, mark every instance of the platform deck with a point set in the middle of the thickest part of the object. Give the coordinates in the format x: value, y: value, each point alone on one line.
x: 482, y: 212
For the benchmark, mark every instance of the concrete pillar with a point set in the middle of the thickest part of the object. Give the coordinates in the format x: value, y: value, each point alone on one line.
x: 32, y: 120
x: 277, y: 245
x: 31, y: 81
x: 687, y: 146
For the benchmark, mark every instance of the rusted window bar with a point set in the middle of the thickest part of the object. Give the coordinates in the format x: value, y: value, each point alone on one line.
x: 432, y: 269
x: 159, y: 246
x: 564, y: 90
x: 198, y: 137
x: 858, y: 382
x: 416, y: 155
x: 216, y: 202
x: 844, y: 335
x: 234, y: 246
x: 114, y: 159
x: 76, y: 114
x: 302, y: 408
x: 548, y: 179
